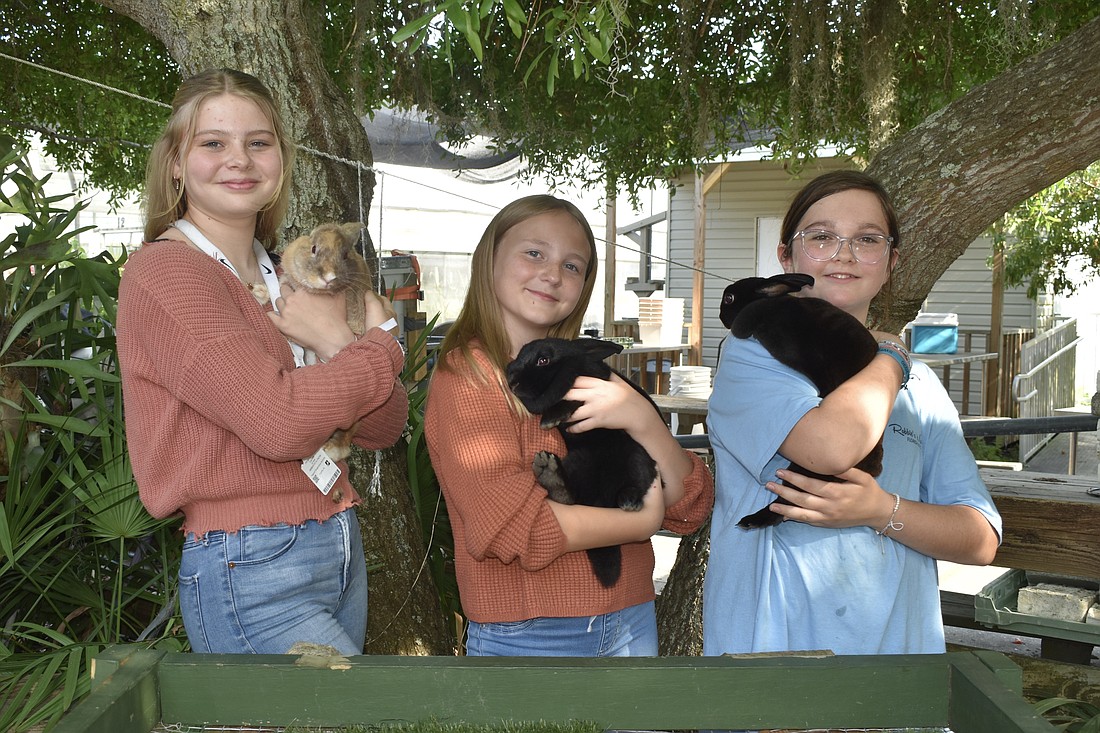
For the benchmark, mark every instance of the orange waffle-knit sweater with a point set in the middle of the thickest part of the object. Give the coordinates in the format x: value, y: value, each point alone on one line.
x: 510, y: 555
x: 217, y: 417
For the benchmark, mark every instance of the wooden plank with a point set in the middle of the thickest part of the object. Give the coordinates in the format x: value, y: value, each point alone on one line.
x: 1050, y: 522
x: 980, y: 703
x: 640, y: 693
x: 124, y: 698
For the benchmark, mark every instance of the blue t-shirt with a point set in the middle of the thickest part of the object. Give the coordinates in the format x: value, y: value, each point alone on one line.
x: 798, y: 587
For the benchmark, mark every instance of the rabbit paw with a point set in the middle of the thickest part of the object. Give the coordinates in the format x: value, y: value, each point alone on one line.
x: 548, y: 473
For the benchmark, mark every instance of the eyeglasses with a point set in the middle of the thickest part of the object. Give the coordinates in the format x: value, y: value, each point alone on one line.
x: 823, y: 245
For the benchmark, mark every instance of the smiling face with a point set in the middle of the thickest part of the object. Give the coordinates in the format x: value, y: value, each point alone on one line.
x: 538, y: 274
x: 844, y: 282
x: 233, y: 164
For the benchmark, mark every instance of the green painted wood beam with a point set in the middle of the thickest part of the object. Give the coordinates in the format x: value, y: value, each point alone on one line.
x: 124, y: 696
x: 656, y: 693
x: 970, y: 692
x: 981, y: 703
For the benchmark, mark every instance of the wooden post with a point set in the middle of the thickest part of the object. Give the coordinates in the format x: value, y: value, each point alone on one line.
x: 610, y: 237
x: 991, y: 404
x: 698, y: 259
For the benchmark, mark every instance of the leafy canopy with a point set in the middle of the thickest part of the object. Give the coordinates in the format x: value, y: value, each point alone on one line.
x: 604, y: 93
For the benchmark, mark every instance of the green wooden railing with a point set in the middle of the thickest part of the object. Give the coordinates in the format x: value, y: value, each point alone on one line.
x: 970, y: 692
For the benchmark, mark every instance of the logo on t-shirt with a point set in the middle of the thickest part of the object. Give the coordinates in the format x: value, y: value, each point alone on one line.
x: 908, y: 433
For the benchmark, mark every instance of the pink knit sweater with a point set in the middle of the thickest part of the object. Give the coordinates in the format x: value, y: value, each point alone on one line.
x: 217, y: 416
x: 510, y: 554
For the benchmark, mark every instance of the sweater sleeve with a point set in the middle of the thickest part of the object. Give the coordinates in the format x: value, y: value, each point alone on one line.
x: 214, y: 348
x: 688, y: 514
x: 480, y: 451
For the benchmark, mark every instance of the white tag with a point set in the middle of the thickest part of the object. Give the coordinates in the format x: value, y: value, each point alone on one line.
x: 322, y: 471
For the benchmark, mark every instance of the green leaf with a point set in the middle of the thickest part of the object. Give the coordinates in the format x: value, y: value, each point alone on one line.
x: 414, y: 28
x: 516, y: 16
x: 552, y: 73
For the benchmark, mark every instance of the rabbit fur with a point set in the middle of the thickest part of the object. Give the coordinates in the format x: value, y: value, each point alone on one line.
x: 326, y: 260
x: 809, y: 335
x: 602, y: 467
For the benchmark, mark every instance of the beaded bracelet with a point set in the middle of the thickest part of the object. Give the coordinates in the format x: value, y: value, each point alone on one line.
x: 890, y: 525
x: 900, y: 355
x: 893, y: 525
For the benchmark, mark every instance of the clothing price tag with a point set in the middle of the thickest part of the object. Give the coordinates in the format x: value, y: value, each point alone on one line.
x: 322, y: 471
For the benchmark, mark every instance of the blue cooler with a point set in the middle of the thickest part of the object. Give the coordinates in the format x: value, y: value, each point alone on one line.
x: 935, y: 333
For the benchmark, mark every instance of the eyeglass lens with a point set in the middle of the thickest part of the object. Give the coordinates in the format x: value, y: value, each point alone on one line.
x: 824, y: 245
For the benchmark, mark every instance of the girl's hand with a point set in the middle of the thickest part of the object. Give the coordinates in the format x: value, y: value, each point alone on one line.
x: 378, y: 311
x: 316, y: 321
x: 611, y: 404
x: 856, y: 500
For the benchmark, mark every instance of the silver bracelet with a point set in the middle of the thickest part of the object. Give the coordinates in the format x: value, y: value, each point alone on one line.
x: 891, y: 525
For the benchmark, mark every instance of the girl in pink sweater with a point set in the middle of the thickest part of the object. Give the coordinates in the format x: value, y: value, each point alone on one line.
x: 526, y: 584
x: 222, y: 426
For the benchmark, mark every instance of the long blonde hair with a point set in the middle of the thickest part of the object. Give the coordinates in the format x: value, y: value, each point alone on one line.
x: 166, y: 197
x: 481, y: 317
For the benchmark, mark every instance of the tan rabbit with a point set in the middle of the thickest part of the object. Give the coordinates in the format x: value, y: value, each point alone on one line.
x: 326, y: 261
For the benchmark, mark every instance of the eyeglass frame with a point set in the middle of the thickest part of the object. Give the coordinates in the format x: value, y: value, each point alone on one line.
x: 841, y: 241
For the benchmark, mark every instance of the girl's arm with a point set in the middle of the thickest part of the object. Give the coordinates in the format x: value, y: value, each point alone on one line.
x: 954, y: 532
x: 838, y: 433
x: 587, y: 527
x: 615, y: 404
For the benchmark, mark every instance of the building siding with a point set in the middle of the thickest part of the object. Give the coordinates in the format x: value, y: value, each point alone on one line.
x: 752, y: 190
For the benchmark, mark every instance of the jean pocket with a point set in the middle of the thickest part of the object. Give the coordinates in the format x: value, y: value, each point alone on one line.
x: 257, y: 545
x: 191, y: 611
x: 505, y: 628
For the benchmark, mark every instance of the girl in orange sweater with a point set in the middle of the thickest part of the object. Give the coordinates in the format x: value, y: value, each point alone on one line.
x: 220, y: 423
x: 524, y: 578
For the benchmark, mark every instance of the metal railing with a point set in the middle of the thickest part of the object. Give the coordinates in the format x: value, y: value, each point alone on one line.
x: 1046, y: 380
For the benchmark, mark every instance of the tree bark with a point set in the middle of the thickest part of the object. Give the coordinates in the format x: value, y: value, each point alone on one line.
x: 957, y: 172
x: 680, y: 605
x: 404, y: 610
x: 273, y: 41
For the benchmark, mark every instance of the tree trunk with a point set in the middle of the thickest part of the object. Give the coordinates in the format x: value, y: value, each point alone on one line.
x: 274, y: 42
x: 405, y: 615
x: 680, y: 605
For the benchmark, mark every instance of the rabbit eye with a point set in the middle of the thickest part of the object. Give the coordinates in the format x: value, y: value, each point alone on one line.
x: 313, y: 250
x: 543, y: 361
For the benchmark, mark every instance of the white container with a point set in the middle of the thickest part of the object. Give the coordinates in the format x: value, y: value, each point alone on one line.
x: 661, y: 321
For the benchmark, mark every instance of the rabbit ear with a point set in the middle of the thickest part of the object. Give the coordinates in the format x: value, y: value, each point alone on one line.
x: 598, y: 348
x: 790, y: 282
x: 351, y: 230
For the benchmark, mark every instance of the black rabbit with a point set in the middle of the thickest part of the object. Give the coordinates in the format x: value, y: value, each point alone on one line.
x: 811, y: 336
x: 603, y: 467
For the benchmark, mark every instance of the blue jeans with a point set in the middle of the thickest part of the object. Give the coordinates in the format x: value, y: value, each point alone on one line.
x: 631, y: 632
x: 261, y: 589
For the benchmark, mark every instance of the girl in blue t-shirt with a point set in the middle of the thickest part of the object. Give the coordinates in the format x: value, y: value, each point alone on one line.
x: 853, y: 569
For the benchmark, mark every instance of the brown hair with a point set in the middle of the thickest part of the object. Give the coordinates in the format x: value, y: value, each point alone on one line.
x: 480, y: 317
x: 828, y: 184
x: 833, y: 182
x: 165, y: 202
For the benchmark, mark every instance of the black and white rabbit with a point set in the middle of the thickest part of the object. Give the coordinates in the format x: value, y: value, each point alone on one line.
x: 811, y: 336
x: 603, y: 467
